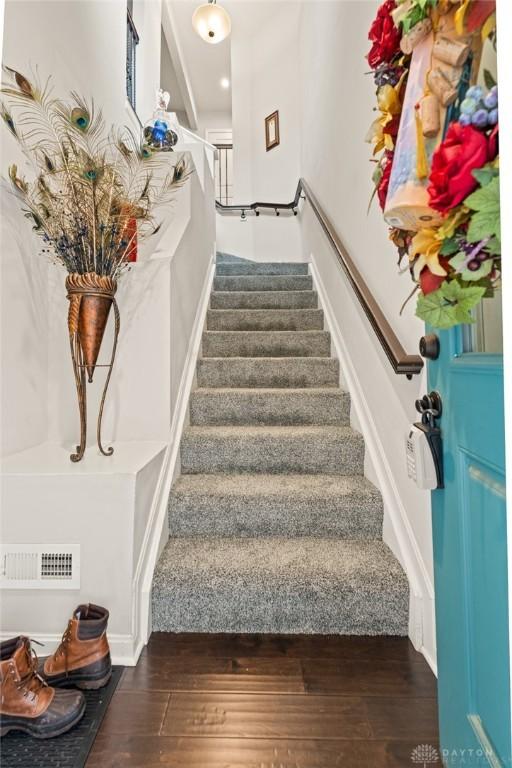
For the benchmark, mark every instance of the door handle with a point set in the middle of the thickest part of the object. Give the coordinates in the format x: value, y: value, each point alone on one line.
x: 429, y: 346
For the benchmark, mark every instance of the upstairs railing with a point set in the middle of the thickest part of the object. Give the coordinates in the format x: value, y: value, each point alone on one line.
x: 401, y: 362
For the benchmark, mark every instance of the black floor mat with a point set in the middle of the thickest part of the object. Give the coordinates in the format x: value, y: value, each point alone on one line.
x: 18, y: 750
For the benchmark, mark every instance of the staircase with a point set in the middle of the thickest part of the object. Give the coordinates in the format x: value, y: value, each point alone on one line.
x: 273, y: 527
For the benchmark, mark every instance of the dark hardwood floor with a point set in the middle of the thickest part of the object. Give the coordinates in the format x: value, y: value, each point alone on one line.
x: 261, y: 701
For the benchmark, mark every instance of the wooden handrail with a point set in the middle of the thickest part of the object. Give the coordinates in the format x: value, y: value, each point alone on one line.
x: 401, y: 362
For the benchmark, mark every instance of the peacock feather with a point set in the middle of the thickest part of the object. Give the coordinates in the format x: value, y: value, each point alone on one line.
x: 89, y: 185
x: 7, y: 118
x: 80, y: 118
x: 25, y: 87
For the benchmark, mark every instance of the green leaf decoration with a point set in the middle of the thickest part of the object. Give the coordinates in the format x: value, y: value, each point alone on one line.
x: 485, y: 222
x: 419, y: 10
x: 484, y: 270
x: 415, y: 15
x: 449, y: 246
x: 494, y: 246
x: 486, y: 198
x: 450, y: 305
x: 489, y: 80
x: 485, y: 175
x: 483, y: 225
x: 458, y: 262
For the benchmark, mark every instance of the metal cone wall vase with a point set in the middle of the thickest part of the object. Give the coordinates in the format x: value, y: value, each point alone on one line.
x: 91, y: 297
x: 92, y: 321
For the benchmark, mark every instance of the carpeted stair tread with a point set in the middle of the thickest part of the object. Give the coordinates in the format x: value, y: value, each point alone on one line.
x: 273, y: 450
x: 263, y: 299
x: 275, y: 505
x: 263, y: 283
x: 266, y: 344
x: 265, y: 320
x: 296, y: 372
x: 230, y: 258
x: 262, y: 268
x: 297, y: 585
x: 239, y: 406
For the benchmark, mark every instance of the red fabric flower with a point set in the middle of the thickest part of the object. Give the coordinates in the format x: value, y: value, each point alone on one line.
x: 494, y: 141
x: 382, y: 187
x: 451, y: 179
x: 430, y: 282
x: 384, y: 36
x: 477, y: 14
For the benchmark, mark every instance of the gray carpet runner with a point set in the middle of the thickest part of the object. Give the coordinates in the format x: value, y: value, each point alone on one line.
x: 273, y: 527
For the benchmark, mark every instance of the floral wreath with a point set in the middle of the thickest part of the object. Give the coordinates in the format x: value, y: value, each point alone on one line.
x: 455, y: 261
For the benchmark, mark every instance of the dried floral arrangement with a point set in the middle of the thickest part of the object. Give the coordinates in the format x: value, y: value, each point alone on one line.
x: 447, y: 221
x: 92, y: 198
x: 94, y: 192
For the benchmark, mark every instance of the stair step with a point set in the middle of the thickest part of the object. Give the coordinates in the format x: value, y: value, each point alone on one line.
x: 264, y: 300
x: 265, y: 320
x: 275, y: 372
x: 263, y: 268
x: 266, y: 344
x: 272, y: 450
x: 217, y: 407
x: 263, y: 283
x: 279, y: 585
x: 229, y: 258
x: 275, y: 505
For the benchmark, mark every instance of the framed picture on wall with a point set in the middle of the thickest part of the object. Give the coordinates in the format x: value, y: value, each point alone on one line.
x: 272, y: 130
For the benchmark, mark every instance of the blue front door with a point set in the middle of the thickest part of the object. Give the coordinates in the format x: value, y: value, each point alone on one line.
x: 470, y: 547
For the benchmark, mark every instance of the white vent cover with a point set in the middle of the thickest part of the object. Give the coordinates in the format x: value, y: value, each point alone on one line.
x: 39, y: 566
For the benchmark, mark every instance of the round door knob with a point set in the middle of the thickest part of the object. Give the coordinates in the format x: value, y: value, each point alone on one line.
x: 429, y: 346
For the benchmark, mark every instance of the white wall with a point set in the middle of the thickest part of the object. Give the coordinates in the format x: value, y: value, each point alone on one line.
x: 212, y: 120
x: 337, y: 103
x: 82, y: 45
x: 45, y: 498
x: 264, y: 58
x: 23, y: 331
x: 337, y: 100
x: 147, y: 15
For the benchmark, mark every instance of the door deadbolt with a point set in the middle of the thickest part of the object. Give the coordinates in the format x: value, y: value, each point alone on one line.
x: 429, y: 346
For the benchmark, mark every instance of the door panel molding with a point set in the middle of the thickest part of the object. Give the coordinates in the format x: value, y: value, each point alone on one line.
x: 487, y: 749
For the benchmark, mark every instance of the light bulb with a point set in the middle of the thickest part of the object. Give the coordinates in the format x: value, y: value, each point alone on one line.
x: 211, y: 22
x: 224, y: 83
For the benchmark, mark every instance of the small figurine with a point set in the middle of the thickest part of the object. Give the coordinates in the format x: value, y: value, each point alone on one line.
x: 158, y: 135
x: 162, y: 99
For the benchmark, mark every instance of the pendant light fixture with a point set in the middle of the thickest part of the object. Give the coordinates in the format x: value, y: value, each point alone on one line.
x: 211, y: 22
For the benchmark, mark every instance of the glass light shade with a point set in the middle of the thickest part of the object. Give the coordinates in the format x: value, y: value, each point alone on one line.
x: 211, y: 22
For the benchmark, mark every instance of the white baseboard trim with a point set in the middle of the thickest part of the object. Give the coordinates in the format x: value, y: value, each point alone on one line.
x: 123, y: 648
x: 429, y: 659
x: 155, y: 534
x: 421, y: 588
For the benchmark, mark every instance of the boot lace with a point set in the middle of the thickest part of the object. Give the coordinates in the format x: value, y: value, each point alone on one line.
x: 32, y: 682
x: 62, y: 650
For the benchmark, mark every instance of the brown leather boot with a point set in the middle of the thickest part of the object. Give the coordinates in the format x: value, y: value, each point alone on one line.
x: 27, y: 703
x: 83, y: 656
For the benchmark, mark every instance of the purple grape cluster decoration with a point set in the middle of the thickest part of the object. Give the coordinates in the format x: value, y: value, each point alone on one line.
x: 478, y: 109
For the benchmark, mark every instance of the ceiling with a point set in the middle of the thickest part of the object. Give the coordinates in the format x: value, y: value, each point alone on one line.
x: 205, y: 64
